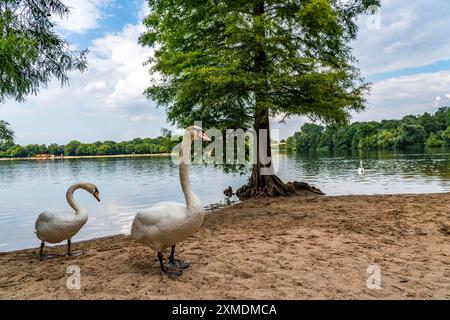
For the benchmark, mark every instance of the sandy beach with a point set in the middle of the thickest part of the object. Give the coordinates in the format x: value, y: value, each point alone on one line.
x: 303, y: 247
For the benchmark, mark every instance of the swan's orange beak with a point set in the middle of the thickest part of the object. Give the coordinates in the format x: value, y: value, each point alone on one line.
x: 96, y: 196
x: 204, y: 137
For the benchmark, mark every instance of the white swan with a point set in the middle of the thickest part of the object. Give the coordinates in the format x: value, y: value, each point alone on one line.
x: 361, y: 169
x: 167, y: 223
x: 60, y: 225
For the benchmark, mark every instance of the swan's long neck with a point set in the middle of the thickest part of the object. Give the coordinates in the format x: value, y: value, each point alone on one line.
x: 192, y: 201
x: 70, y: 199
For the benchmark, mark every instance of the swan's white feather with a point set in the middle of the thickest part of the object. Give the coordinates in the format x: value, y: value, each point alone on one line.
x: 54, y: 226
x: 165, y: 224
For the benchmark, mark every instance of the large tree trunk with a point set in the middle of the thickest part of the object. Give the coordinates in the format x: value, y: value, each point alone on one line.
x: 263, y: 181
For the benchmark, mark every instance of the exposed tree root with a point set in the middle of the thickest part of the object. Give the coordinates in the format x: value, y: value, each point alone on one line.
x: 272, y: 186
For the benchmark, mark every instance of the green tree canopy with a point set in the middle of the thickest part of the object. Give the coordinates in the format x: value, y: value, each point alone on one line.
x: 413, y: 134
x: 387, y: 134
x: 161, y: 144
x: 233, y: 64
x: 71, y: 149
x: 31, y: 53
x: 6, y: 133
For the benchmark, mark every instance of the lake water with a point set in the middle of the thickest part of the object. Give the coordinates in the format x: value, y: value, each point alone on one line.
x: 129, y: 184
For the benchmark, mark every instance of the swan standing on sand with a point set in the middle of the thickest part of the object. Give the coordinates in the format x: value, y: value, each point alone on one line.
x: 57, y: 226
x: 361, y: 169
x: 167, y: 223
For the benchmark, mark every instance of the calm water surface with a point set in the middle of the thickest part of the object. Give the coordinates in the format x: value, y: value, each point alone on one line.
x: 129, y: 184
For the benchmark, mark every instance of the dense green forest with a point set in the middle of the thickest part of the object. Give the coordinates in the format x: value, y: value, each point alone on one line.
x: 431, y: 130
x: 161, y: 144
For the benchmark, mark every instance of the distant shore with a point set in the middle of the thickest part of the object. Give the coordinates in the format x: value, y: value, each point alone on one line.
x: 89, y: 157
x: 302, y: 247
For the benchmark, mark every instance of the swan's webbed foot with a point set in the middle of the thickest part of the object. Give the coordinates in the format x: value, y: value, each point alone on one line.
x: 172, y: 271
x: 74, y: 254
x: 44, y: 257
x: 174, y: 263
x: 180, y: 264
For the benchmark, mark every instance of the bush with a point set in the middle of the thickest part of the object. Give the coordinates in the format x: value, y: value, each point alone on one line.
x: 434, y: 141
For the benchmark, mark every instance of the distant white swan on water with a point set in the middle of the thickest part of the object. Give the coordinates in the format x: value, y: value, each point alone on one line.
x: 361, y: 168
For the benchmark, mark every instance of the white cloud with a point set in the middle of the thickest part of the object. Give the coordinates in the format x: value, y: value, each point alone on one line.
x: 144, y: 117
x: 416, y: 94
x: 95, y: 86
x: 118, y: 59
x: 413, y: 33
x: 83, y: 15
x: 144, y: 10
x: 114, y: 82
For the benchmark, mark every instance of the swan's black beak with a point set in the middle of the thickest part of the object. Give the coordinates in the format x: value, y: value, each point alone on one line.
x: 96, y: 196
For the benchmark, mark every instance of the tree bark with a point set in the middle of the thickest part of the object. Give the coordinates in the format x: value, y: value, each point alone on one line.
x: 262, y: 183
x: 269, y: 185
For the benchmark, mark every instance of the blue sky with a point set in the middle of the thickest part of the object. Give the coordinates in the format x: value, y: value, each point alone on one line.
x: 404, y: 51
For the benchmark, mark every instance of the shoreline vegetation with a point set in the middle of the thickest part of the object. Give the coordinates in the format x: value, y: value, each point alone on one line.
x: 329, y: 241
x: 161, y: 145
x: 426, y: 130
x: 62, y: 157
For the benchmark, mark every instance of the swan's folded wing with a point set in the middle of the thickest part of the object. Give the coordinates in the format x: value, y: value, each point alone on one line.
x: 163, y: 211
x: 51, y: 216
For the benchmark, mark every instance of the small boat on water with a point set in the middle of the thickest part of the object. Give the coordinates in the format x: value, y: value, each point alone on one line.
x: 42, y: 157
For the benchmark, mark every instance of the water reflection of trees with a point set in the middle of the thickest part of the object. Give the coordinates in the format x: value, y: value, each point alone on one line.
x: 74, y: 169
x: 121, y: 167
x: 427, y: 162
